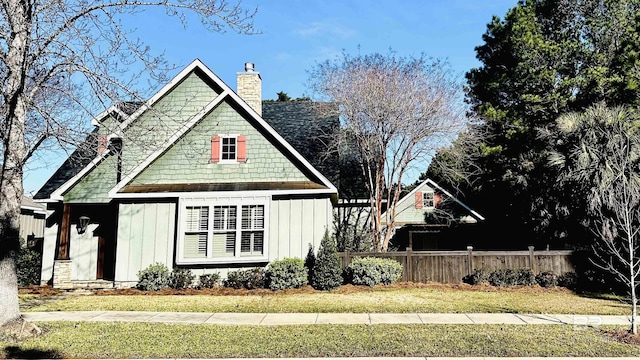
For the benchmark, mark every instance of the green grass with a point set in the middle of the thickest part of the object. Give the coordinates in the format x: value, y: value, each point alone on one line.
x: 428, y: 300
x: 141, y: 340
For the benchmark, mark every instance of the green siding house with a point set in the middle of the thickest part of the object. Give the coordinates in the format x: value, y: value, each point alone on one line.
x: 195, y: 177
x: 431, y: 218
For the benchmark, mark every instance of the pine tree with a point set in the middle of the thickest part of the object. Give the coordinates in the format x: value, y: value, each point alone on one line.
x: 327, y: 272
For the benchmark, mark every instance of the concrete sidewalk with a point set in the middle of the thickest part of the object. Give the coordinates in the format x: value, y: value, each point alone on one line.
x: 324, y: 318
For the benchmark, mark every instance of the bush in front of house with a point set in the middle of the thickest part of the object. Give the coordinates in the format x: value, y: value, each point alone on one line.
x: 28, y: 267
x: 209, y: 281
x: 154, y: 277
x: 327, y: 272
x: 288, y: 273
x: 372, y: 271
x: 310, y: 263
x: 245, y: 279
x: 477, y: 277
x: 181, y: 278
x: 547, y: 279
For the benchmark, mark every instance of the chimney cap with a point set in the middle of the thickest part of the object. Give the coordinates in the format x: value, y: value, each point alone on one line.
x: 248, y: 67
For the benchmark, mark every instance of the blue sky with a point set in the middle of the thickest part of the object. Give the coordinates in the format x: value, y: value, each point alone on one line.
x: 297, y: 34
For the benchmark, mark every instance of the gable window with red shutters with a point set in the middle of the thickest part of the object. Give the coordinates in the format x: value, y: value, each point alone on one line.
x: 228, y: 149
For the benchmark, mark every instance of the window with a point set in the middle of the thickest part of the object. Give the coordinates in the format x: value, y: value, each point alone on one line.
x: 228, y: 233
x: 228, y: 149
x: 252, y: 240
x: 428, y: 199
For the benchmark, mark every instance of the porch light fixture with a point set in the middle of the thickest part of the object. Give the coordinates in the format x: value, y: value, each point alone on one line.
x: 83, y: 222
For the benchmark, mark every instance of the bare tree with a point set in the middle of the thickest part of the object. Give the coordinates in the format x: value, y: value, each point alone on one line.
x: 61, y: 60
x: 396, y: 111
x: 599, y: 152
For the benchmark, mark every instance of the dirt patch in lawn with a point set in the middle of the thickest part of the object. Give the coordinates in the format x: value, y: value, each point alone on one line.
x: 623, y: 336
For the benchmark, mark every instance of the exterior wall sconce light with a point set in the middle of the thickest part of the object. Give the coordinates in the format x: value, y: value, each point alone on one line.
x: 83, y: 222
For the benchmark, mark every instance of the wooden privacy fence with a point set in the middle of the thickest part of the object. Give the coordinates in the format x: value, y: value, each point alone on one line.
x: 452, y: 266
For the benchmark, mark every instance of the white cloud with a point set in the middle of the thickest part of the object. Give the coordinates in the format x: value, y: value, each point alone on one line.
x: 328, y: 28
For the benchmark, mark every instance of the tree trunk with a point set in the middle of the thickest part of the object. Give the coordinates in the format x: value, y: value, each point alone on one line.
x: 14, y: 152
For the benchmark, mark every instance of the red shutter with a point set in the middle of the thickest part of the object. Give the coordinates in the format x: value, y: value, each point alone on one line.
x: 215, y: 149
x: 102, y: 144
x: 419, y: 200
x: 437, y: 199
x: 242, y: 148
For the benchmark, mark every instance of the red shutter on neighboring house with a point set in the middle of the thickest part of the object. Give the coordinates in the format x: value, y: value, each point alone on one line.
x: 215, y: 149
x: 102, y: 144
x: 242, y: 148
x: 419, y: 200
x: 437, y: 199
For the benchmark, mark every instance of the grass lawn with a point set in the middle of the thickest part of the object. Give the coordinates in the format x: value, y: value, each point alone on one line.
x: 140, y: 340
x: 395, y: 299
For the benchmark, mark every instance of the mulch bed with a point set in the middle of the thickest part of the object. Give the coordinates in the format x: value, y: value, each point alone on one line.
x: 623, y: 336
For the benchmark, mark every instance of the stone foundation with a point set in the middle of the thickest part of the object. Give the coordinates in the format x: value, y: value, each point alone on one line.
x: 62, y: 274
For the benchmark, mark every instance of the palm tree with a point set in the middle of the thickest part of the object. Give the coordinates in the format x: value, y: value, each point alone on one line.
x: 598, y: 151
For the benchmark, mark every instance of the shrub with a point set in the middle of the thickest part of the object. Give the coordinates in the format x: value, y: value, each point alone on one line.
x: 511, y: 277
x: 547, y: 279
x: 373, y: 271
x: 153, y: 278
x: 568, y: 280
x: 310, y: 263
x: 181, y: 278
x: 245, y: 279
x: 477, y: 277
x: 28, y: 267
x: 209, y: 281
x: 327, y: 273
x: 288, y: 273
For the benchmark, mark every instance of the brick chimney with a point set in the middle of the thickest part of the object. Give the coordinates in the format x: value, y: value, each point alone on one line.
x: 250, y: 87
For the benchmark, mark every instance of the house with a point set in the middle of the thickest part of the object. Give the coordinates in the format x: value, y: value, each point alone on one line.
x: 431, y: 218
x: 32, y: 220
x: 195, y: 177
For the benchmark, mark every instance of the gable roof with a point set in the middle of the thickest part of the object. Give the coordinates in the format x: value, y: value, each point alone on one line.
x: 411, y: 196
x: 66, y: 178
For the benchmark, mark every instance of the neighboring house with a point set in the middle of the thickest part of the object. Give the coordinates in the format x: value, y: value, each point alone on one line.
x: 426, y: 216
x: 195, y: 177
x: 32, y: 220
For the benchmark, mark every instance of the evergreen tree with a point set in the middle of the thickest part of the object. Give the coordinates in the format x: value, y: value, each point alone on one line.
x: 545, y: 58
x: 327, y: 272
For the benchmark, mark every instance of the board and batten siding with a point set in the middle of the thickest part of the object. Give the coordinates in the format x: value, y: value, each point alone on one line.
x: 48, y: 251
x: 296, y: 223
x: 146, y: 235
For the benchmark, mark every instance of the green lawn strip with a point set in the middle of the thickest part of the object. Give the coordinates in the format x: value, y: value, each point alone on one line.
x: 395, y: 301
x: 145, y: 340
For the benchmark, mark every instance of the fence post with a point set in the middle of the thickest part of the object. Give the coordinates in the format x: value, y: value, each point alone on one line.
x: 347, y: 258
x: 409, y: 265
x: 532, y: 260
x: 469, y: 259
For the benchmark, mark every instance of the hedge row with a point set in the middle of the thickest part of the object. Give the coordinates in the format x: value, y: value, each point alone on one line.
x: 523, y: 276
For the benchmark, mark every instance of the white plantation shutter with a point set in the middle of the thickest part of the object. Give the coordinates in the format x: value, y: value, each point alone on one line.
x: 196, y: 235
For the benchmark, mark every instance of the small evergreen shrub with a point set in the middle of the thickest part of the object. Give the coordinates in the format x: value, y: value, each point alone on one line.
x: 568, y: 280
x: 477, y: 277
x: 512, y: 277
x: 327, y: 272
x: 547, y: 279
x: 373, y: 271
x: 28, y: 267
x: 245, y: 279
x: 288, y: 273
x: 181, y: 278
x: 153, y: 278
x: 209, y: 281
x: 310, y: 263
